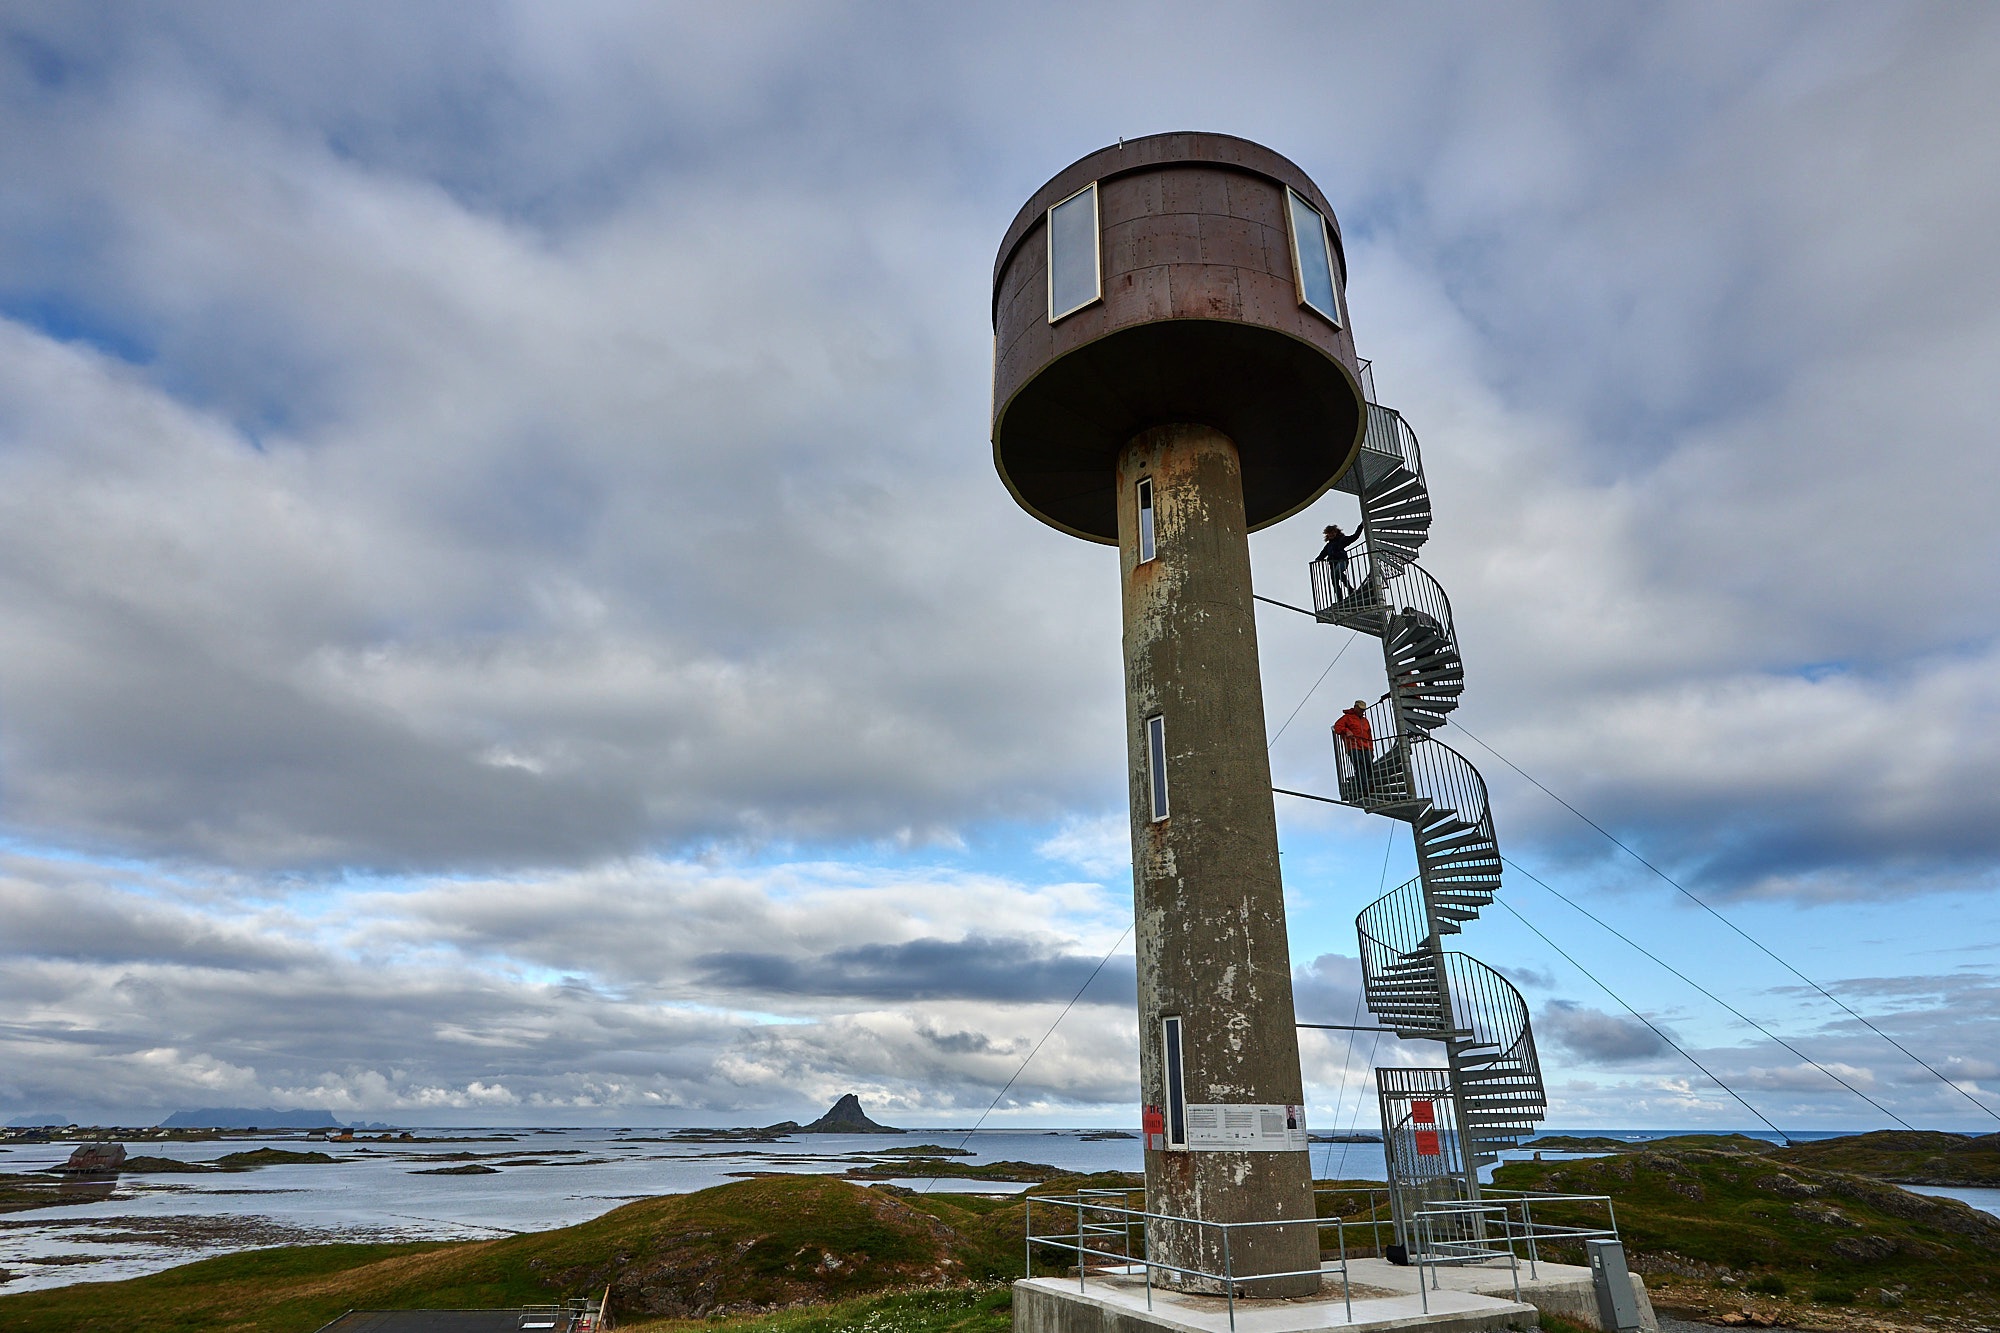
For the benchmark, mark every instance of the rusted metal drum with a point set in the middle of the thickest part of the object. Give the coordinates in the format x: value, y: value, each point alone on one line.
x: 1213, y: 303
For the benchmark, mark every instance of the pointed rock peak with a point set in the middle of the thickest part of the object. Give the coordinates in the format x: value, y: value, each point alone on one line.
x: 847, y: 1117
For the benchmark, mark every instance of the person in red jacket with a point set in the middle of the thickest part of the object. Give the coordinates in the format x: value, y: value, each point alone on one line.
x: 1359, y: 739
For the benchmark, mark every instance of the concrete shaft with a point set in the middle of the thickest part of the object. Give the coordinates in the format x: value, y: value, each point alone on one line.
x: 1209, y: 906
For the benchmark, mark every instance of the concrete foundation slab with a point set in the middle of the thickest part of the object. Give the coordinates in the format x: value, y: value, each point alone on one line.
x: 1467, y: 1299
x: 1119, y: 1305
x: 1563, y: 1290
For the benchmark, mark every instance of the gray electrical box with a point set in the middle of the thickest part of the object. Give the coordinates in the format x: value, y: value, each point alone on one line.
x: 1617, y: 1306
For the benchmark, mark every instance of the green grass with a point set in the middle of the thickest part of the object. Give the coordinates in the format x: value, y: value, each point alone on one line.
x: 735, y: 1250
x: 1917, y: 1157
x: 1692, y: 1216
x: 979, y: 1309
x: 1922, y: 1157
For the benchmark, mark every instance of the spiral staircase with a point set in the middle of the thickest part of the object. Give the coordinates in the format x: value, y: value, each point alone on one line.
x: 1490, y: 1094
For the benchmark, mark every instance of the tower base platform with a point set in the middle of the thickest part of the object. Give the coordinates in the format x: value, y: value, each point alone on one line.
x: 1469, y: 1299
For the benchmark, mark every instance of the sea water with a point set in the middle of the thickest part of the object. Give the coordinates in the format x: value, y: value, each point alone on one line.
x: 544, y: 1178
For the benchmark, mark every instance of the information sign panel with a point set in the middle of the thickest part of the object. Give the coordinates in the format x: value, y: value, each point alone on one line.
x: 1244, y: 1127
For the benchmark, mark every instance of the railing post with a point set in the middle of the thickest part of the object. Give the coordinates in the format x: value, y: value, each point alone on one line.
x: 1513, y: 1259
x: 1419, y: 1224
x: 1079, y: 1242
x: 1346, y: 1287
x: 1229, y: 1277
x: 1528, y: 1215
x: 1028, y: 1238
x: 1146, y: 1247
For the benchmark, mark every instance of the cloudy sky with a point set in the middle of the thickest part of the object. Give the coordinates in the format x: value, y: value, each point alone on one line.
x: 506, y: 613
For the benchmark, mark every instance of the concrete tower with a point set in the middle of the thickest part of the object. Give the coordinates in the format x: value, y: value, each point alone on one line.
x: 1173, y: 371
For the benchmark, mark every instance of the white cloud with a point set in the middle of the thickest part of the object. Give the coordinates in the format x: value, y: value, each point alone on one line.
x: 544, y: 459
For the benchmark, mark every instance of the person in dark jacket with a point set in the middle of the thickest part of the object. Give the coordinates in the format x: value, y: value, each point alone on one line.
x: 1335, y: 553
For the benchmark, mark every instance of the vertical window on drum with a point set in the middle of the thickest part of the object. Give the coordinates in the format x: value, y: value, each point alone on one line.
x: 1312, y: 259
x: 1176, y: 1080
x: 1148, y: 547
x: 1074, y: 270
x: 1156, y: 764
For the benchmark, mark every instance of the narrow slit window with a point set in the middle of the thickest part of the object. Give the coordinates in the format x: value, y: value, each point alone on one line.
x: 1156, y: 763
x: 1312, y: 259
x: 1147, y: 548
x: 1074, y: 271
x: 1170, y: 1049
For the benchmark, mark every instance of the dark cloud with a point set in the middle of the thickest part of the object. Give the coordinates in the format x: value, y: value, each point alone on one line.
x: 977, y: 967
x: 1596, y: 1037
x: 1328, y: 989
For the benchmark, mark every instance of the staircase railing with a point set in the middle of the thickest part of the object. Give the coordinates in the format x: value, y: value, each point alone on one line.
x: 1410, y: 771
x: 1371, y: 590
x: 1485, y: 1005
x: 1393, y: 929
x: 1387, y: 440
x: 1492, y: 1082
x: 1397, y: 963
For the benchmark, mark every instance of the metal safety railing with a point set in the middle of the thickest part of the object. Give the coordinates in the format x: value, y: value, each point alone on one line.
x: 1409, y: 771
x: 1388, y: 438
x: 1500, y: 1225
x: 1367, y: 592
x: 1111, y: 1238
x: 1116, y: 1239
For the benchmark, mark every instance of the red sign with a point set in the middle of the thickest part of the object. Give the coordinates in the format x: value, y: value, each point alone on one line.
x: 1153, y: 1121
x: 1423, y: 1113
x: 1427, y: 1143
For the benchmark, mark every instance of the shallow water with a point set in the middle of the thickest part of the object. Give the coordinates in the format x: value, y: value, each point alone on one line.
x: 543, y: 1179
x: 1985, y: 1200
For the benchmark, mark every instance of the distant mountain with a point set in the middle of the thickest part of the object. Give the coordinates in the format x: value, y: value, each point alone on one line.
x: 41, y: 1120
x: 846, y: 1117
x: 247, y: 1117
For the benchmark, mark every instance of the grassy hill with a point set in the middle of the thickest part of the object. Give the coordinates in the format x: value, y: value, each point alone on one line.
x: 1714, y: 1225
x: 1918, y: 1157
x: 1715, y: 1229
x: 1911, y: 1157
x: 736, y: 1249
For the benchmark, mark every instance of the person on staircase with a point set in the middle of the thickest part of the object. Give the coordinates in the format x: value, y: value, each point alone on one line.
x: 1358, y: 738
x: 1335, y: 553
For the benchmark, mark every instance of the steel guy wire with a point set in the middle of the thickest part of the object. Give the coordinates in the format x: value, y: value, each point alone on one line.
x: 1706, y: 991
x: 1759, y: 945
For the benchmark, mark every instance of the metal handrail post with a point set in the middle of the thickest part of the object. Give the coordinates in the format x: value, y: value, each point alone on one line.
x: 1028, y: 1238
x: 1229, y: 1277
x: 1528, y: 1215
x: 1346, y: 1287
x: 1146, y: 1244
x: 1416, y: 1224
x: 1513, y: 1259
x: 1079, y: 1242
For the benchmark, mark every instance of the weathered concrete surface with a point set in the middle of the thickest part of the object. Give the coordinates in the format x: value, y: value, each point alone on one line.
x: 1209, y: 908
x: 1054, y: 1305
x: 1563, y: 1290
